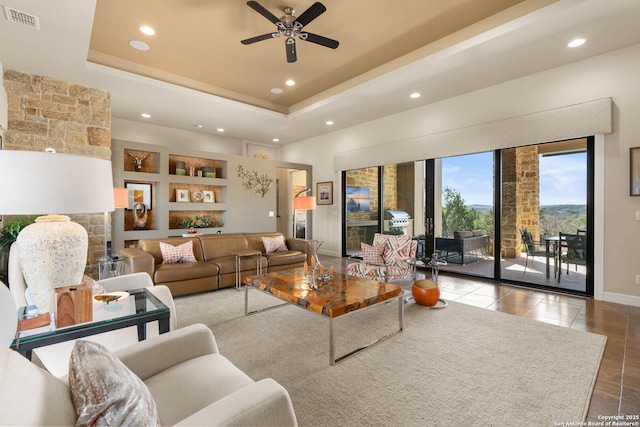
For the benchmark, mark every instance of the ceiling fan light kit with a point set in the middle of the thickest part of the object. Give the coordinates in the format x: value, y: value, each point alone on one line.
x: 290, y: 27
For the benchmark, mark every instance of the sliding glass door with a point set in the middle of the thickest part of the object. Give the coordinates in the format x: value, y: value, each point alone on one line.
x: 464, y: 213
x: 520, y: 215
x: 545, y: 211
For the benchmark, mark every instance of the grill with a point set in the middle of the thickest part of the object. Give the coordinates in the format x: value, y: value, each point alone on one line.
x: 398, y: 218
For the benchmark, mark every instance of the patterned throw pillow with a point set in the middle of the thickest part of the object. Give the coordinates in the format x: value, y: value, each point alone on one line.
x: 372, y: 254
x: 105, y: 392
x: 177, y: 254
x: 274, y: 244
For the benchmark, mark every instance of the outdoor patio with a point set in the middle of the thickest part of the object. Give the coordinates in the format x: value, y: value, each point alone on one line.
x: 513, y: 269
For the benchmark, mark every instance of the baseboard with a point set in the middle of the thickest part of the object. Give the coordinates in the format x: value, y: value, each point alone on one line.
x: 622, y: 299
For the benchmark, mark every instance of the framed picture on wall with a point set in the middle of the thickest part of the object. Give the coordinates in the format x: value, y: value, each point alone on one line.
x: 139, y: 193
x: 634, y: 154
x: 324, y: 193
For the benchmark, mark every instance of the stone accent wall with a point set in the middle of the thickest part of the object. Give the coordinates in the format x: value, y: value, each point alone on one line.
x: 70, y: 118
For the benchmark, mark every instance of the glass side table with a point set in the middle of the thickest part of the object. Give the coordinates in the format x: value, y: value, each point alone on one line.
x: 137, y: 309
x: 111, y: 266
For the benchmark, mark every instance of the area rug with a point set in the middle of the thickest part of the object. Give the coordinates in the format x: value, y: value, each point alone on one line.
x: 461, y: 365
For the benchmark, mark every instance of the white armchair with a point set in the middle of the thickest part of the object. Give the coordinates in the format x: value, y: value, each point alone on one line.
x: 56, y: 357
x: 189, y: 381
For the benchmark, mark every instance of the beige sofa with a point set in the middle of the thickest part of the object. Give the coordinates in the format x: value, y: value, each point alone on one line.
x: 182, y: 372
x: 215, y: 267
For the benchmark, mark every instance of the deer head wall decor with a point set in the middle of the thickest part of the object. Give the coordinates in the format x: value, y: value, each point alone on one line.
x: 137, y: 161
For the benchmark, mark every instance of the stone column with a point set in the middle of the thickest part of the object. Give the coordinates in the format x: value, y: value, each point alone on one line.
x: 70, y: 118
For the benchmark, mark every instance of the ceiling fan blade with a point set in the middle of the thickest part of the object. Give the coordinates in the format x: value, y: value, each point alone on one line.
x: 290, y: 45
x: 262, y: 11
x: 323, y: 41
x: 259, y: 38
x: 310, y: 14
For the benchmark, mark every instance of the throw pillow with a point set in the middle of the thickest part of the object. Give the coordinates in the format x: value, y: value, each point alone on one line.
x: 105, y: 392
x: 462, y: 234
x: 274, y: 244
x: 372, y: 254
x: 177, y: 254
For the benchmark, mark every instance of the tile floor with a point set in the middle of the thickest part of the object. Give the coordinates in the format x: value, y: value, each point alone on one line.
x: 617, y: 388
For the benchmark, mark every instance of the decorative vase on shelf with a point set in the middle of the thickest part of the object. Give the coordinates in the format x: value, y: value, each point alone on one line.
x: 209, y: 172
x: 181, y: 168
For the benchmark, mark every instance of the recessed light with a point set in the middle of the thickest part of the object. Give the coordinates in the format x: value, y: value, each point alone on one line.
x: 415, y: 95
x: 220, y: 129
x: 137, y: 44
x: 277, y: 90
x: 328, y: 122
x: 199, y: 126
x: 146, y: 115
x: 276, y: 139
x: 290, y: 82
x: 576, y: 42
x: 145, y: 29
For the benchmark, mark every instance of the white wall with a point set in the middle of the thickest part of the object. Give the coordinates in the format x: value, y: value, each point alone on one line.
x: 158, y: 135
x: 614, y: 75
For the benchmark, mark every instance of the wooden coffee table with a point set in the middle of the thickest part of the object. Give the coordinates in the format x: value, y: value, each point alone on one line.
x: 344, y: 295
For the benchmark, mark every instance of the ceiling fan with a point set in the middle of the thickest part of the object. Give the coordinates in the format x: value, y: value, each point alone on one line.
x: 291, y: 27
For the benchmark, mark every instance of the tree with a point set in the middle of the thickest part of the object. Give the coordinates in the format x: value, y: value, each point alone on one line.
x: 455, y: 214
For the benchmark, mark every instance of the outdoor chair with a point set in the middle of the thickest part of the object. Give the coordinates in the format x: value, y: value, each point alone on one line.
x: 532, y: 251
x: 387, y: 260
x: 576, y: 251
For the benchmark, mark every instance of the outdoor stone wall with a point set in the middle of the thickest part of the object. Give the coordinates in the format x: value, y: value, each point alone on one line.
x: 368, y: 178
x: 510, y: 219
x: 520, y: 197
x: 70, y: 118
x: 528, y: 186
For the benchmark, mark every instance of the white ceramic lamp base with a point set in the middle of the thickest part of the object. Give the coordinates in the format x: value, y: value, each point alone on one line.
x: 53, y: 254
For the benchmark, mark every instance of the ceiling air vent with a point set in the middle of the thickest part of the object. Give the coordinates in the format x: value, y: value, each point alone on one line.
x: 23, y: 18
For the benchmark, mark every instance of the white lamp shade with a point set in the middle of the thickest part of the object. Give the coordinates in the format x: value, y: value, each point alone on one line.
x: 36, y: 183
x: 304, y: 203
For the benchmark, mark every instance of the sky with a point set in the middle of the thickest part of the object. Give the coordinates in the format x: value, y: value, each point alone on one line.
x: 563, y: 178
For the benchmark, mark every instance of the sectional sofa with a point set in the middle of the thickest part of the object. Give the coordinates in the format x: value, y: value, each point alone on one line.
x: 214, y: 267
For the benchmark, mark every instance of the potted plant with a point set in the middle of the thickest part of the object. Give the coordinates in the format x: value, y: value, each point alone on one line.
x: 193, y: 222
x: 9, y: 234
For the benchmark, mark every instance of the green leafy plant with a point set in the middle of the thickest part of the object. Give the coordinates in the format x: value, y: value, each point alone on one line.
x: 197, y: 222
x: 10, y: 231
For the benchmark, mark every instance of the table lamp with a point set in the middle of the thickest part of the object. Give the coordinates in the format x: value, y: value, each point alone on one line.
x: 53, y: 250
x: 302, y: 203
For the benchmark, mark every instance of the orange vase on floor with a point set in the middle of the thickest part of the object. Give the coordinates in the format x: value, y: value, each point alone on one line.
x: 425, y: 292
